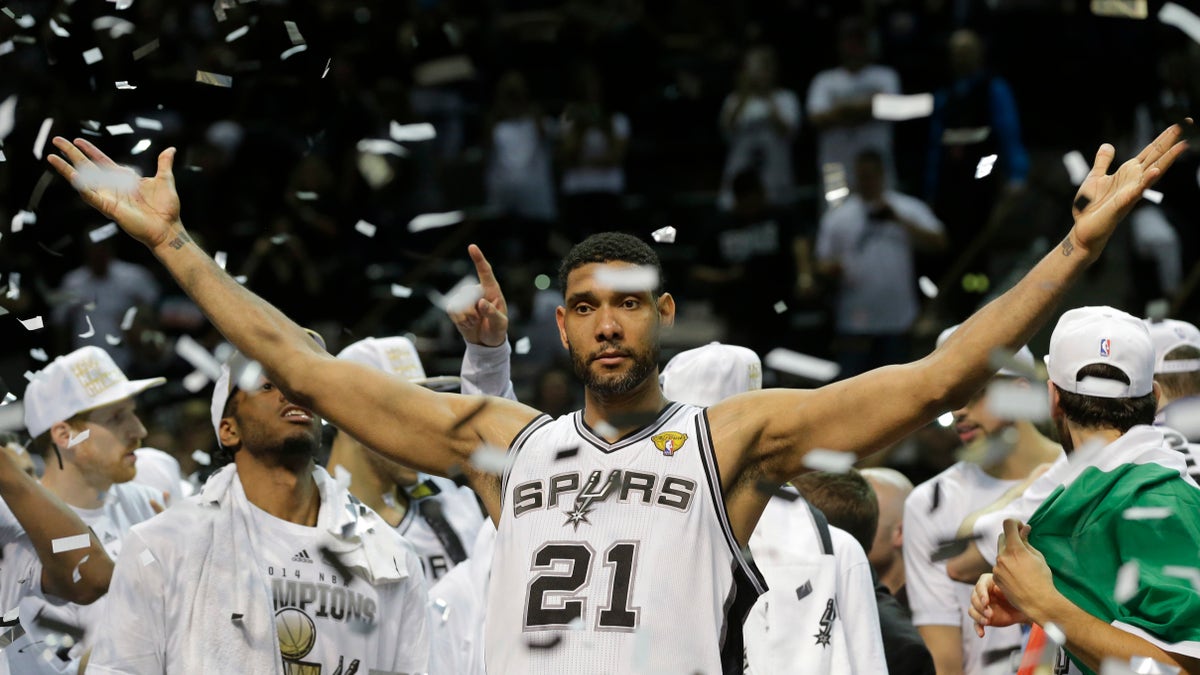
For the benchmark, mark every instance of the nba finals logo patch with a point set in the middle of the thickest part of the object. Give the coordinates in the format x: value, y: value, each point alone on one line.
x: 1105, y: 347
x: 669, y: 442
x: 94, y: 376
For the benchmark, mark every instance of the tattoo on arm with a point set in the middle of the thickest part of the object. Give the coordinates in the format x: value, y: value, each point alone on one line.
x: 1067, y: 247
x: 179, y: 240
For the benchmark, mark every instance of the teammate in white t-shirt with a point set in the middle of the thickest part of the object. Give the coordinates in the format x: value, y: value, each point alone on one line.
x: 936, y: 509
x: 439, y: 518
x: 1177, y: 372
x: 610, y: 519
x: 272, y: 567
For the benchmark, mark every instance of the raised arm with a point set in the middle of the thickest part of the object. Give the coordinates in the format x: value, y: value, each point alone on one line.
x: 484, y: 327
x: 45, y: 518
x: 435, y: 433
x: 774, y: 429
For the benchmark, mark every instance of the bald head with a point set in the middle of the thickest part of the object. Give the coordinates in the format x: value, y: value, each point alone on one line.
x: 891, y: 489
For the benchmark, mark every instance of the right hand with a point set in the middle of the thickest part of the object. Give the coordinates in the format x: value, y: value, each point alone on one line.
x: 989, y: 607
x: 148, y: 212
x: 487, y: 322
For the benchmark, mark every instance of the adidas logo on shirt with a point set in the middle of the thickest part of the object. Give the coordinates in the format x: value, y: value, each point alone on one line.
x: 302, y: 556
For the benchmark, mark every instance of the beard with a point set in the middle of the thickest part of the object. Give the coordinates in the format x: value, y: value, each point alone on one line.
x: 301, y: 445
x: 615, y: 384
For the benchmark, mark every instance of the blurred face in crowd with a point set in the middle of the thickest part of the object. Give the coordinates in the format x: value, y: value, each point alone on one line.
x: 106, y: 456
x: 974, y: 424
x: 612, y: 336
x: 870, y: 178
x: 966, y: 53
x: 266, y: 424
x: 758, y: 69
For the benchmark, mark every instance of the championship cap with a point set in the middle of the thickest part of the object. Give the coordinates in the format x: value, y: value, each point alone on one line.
x: 232, y: 372
x: 83, y: 380
x: 1089, y: 335
x: 1167, y: 335
x: 707, y: 375
x: 396, y: 356
x: 1023, y: 357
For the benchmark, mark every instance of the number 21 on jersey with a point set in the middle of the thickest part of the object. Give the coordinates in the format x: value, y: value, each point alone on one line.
x: 555, y: 598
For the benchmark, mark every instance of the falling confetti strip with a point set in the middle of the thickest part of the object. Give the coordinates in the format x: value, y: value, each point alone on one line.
x: 831, y: 461
x: 81, y: 437
x: 91, y: 330
x: 93, y: 55
x: 1175, y: 15
x: 780, y: 307
x: 1127, y: 582
x: 201, y: 457
x: 293, y: 32
x: 73, y: 543
x: 429, y: 221
x: 1017, y: 401
x: 1152, y: 196
x: 803, y: 365
x: 119, y: 129
x: 127, y: 320
x: 195, y: 354
x: 1077, y: 167
x: 215, y: 79
x: 43, y: 134
x: 523, y: 345
x: 635, y: 279
x: 39, y: 354
x: 365, y: 228
x: 144, y: 50
x: 32, y: 324
x: 287, y: 53
x: 103, y: 232
x: 124, y: 85
x: 412, y: 133
x: 399, y: 291
x: 146, y: 557
x: 900, y: 107
x: 141, y: 146
x: 984, y: 168
x: 1146, y: 513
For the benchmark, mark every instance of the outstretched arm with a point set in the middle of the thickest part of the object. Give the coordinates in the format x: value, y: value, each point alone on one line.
x: 774, y: 429
x: 430, y: 432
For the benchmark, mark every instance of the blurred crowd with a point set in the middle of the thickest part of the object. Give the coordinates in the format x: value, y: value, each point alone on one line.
x: 340, y: 156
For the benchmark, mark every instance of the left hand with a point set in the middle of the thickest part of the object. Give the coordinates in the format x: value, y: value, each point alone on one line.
x: 1021, y: 572
x: 1110, y: 198
x: 486, y: 323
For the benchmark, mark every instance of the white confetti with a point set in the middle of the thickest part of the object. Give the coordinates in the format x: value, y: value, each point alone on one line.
x: 946, y: 419
x: 443, y: 609
x: 341, y: 476
x: 73, y: 543
x: 429, y: 221
x: 293, y: 32
x: 381, y: 146
x: 127, y: 320
x: 140, y: 147
x: 898, y: 107
x: 605, y: 430
x: 984, y: 167
x: 237, y: 33
x: 523, y: 345
x: 22, y: 219
x: 119, y: 129
x: 124, y: 84
x: 628, y: 279
x: 292, y: 51
x: 194, y: 353
x: 147, y: 123
x: 57, y: 29
x: 1146, y: 513
x: 195, y: 381
x: 8, y: 398
x: 146, y: 557
x: 1152, y: 195
x: 365, y: 228
x: 1190, y: 573
x: 664, y: 235
x: 1054, y: 635
x: 831, y: 461
x: 489, y: 459
x: 141, y: 52
x: 1157, y: 310
x: 30, y: 376
x: 14, y: 286
x: 32, y: 324
x: 399, y: 291
x: 6, y: 47
x: 8, y: 116
x: 306, y: 196
x: 411, y: 133
x: 1124, y: 9
x: 220, y: 257
x: 93, y: 55
x: 43, y: 134
x: 250, y: 376
x: 215, y: 79
x: 1127, y: 582
x: 1175, y: 15
x: 103, y: 232
x: 780, y: 307
x: 1017, y: 401
x: 75, y: 574
x: 116, y: 26
x: 201, y: 457
x: 39, y: 354
x: 803, y: 365
x: 100, y: 178
x: 91, y: 330
x: 461, y: 297
x: 26, y: 21
x: 928, y: 288
x: 112, y: 340
x: 1077, y: 166
x: 327, y: 62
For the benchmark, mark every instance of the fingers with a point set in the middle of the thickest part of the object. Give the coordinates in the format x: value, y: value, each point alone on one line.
x: 1104, y: 157
x: 95, y: 154
x: 77, y: 158
x: 1165, y: 141
x: 166, y: 159
x: 1156, y: 170
x: 483, y: 268
x: 486, y: 309
x: 1012, y: 530
x: 63, y: 167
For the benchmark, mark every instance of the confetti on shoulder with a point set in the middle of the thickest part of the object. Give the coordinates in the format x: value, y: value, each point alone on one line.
x: 215, y: 79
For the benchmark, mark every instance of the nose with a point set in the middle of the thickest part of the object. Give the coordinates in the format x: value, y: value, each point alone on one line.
x: 608, y: 328
x: 139, y: 429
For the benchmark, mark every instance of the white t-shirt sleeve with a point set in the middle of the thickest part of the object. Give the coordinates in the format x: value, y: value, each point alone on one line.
x: 917, y: 211
x: 136, y: 644
x: 820, y: 95
x: 932, y: 594
x: 856, y: 605
x: 488, y: 371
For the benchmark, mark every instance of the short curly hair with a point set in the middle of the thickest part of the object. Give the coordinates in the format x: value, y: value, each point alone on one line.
x: 610, y: 247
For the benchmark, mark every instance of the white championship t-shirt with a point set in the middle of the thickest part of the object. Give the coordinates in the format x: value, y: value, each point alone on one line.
x: 460, y: 509
x: 932, y: 515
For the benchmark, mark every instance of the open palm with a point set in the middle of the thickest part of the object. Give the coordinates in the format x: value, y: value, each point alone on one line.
x: 146, y: 208
x: 1104, y: 200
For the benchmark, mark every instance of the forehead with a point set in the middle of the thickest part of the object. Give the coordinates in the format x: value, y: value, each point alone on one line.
x: 614, y: 276
x: 125, y: 405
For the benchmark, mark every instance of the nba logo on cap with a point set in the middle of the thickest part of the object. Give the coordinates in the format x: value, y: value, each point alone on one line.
x: 1105, y: 347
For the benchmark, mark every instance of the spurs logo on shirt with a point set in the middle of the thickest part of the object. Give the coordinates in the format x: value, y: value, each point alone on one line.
x: 621, y: 540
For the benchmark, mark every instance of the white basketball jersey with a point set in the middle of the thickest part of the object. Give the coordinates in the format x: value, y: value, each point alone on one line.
x: 616, y: 558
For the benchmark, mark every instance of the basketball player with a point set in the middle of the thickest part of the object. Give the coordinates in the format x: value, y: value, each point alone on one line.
x: 272, y: 568
x: 439, y: 518
x: 1177, y: 372
x: 935, y: 510
x: 80, y: 412
x: 626, y: 519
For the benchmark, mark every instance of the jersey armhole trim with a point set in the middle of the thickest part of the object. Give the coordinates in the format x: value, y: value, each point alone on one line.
x: 515, y: 446
x: 708, y: 460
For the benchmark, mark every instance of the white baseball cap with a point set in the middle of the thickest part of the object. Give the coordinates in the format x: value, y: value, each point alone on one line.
x: 83, y: 380
x: 396, y: 356
x: 1089, y: 335
x: 1167, y: 335
x: 232, y: 372
x: 708, y: 375
x: 1023, y: 356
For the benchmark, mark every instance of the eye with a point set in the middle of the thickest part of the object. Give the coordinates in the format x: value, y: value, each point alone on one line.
x: 631, y: 303
x: 582, y: 309
x: 267, y: 386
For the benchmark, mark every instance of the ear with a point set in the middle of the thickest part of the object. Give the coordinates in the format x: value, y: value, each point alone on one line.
x: 61, y: 434
x: 1158, y: 396
x: 228, y: 433
x: 898, y: 535
x: 560, y: 317
x: 666, y: 309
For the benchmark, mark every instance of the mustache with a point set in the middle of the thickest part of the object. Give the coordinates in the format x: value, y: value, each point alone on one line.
x: 609, y: 349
